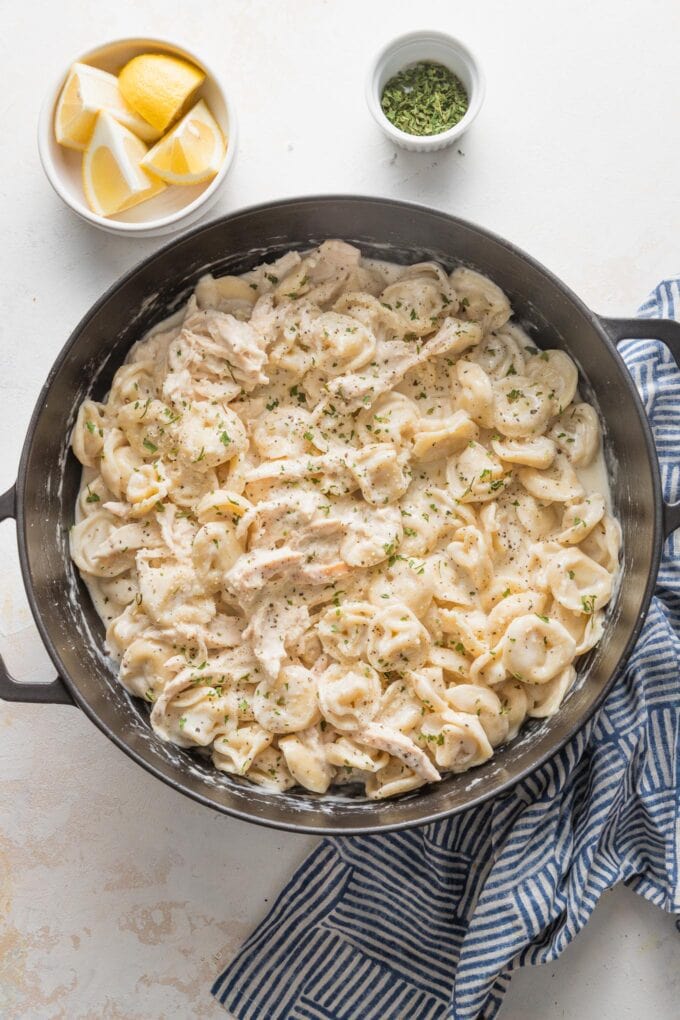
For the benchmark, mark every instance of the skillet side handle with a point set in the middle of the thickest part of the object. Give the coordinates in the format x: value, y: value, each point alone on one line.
x: 7, y: 504
x: 668, y: 332
x: 54, y: 693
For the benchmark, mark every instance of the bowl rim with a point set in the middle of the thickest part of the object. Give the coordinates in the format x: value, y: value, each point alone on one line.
x: 475, y: 99
x: 45, y: 129
x: 308, y: 827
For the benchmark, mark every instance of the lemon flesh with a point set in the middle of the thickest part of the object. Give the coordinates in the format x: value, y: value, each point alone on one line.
x: 86, y: 92
x: 192, y: 152
x: 158, y: 86
x: 113, y: 179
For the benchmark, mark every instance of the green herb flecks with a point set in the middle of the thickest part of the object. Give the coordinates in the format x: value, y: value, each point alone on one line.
x: 424, y: 99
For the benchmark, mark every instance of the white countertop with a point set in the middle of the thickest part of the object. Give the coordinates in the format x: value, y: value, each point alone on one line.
x: 118, y: 897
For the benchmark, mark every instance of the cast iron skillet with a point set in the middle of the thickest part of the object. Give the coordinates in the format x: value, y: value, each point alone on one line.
x: 43, y: 499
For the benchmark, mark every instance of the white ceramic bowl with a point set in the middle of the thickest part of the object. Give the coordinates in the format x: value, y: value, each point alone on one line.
x: 439, y: 48
x: 174, y: 208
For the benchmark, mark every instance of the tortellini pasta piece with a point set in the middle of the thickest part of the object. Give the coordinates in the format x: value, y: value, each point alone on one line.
x: 476, y: 475
x: 214, y: 551
x: 514, y: 701
x: 87, y: 439
x: 417, y: 302
x: 485, y: 705
x: 146, y: 488
x: 399, y: 709
x: 118, y: 461
x: 392, y: 780
x: 455, y: 665
x: 236, y: 751
x: 380, y: 474
x: 288, y: 703
x: 393, y: 418
x: 586, y: 629
x: 230, y: 294
x: 434, y: 439
x: 488, y: 668
x: 222, y: 505
x: 476, y: 396
x: 396, y: 640
x: 144, y: 669
x: 480, y: 300
x: 148, y: 426
x: 537, y: 518
x: 509, y: 608
x: 372, y: 535
x: 170, y: 594
x: 210, y: 435
x: 190, y: 712
x: 341, y: 344
x: 502, y: 353
x: 603, y: 544
x: 429, y: 687
x: 577, y: 433
x: 469, y: 551
x: 349, y: 695
x: 466, y: 628
x: 269, y: 770
x: 93, y: 495
x: 102, y: 547
x: 189, y: 483
x: 428, y: 515
x: 404, y: 582
x: 343, y: 629
x: 306, y: 760
x: 134, y: 382
x: 282, y: 432
x: 125, y: 628
x: 534, y: 451
x: 580, y: 518
x: 522, y: 407
x: 458, y: 740
x: 536, y: 648
x: 579, y: 583
x: 558, y: 483
x: 556, y: 374
x: 545, y: 700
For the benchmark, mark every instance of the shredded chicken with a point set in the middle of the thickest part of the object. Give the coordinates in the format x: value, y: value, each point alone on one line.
x: 384, y: 738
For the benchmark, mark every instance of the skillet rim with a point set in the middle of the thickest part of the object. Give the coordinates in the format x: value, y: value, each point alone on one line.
x: 476, y: 800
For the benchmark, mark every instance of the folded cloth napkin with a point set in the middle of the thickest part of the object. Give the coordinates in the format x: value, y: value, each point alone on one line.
x: 430, y: 923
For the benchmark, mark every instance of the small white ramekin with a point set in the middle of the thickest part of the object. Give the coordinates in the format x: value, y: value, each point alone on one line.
x: 174, y: 208
x: 439, y: 48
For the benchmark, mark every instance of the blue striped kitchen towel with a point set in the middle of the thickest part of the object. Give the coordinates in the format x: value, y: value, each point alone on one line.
x: 430, y: 923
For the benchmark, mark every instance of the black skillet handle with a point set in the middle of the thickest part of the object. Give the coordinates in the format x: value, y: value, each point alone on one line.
x: 668, y: 331
x: 54, y: 693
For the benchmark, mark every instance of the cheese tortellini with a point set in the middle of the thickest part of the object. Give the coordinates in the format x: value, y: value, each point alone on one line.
x: 336, y: 518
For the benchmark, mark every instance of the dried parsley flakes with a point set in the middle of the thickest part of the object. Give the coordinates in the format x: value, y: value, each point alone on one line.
x: 424, y: 99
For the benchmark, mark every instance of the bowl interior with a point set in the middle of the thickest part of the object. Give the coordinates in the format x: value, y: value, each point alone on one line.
x: 49, y: 480
x: 65, y: 165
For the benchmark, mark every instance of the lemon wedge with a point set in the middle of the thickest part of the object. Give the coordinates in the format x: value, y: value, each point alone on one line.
x: 113, y: 179
x: 192, y: 152
x: 158, y: 86
x: 86, y: 92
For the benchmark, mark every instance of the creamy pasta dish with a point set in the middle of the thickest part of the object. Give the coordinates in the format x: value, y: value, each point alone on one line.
x: 345, y: 522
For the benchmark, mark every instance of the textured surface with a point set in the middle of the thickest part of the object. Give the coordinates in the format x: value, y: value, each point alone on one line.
x: 118, y: 897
